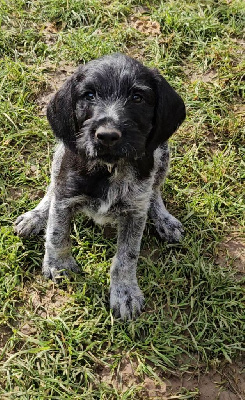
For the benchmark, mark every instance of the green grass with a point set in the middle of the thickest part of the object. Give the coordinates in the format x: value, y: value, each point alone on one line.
x: 194, y: 315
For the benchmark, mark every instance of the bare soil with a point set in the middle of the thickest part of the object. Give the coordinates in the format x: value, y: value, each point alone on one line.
x: 145, y: 24
x: 56, y: 76
x: 228, y: 383
x: 231, y: 252
x: 206, y: 77
x: 5, y: 334
x: 47, y: 302
x: 127, y: 376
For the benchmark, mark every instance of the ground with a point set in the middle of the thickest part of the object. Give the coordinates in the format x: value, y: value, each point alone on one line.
x: 61, y: 341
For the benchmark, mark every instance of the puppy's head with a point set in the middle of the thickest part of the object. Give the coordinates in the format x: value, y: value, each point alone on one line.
x: 114, y: 107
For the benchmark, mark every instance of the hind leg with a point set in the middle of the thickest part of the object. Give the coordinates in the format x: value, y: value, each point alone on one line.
x: 32, y: 222
x: 167, y: 226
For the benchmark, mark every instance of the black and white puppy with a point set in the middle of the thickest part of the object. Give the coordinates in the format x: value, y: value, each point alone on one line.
x: 113, y: 118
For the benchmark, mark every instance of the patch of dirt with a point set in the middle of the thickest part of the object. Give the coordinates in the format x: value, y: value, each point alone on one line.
x: 232, y: 252
x: 15, y: 193
x: 241, y: 42
x: 28, y: 329
x: 127, y: 376
x: 136, y: 52
x: 46, y: 302
x: 49, y: 32
x: 36, y: 194
x: 206, y: 77
x: 212, y: 142
x: 145, y: 24
x: 56, y: 77
x: 239, y: 109
x: 151, y: 253
x: 109, y: 232
x: 226, y: 384
x: 5, y: 334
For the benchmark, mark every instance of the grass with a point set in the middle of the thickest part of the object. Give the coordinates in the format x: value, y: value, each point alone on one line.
x: 194, y: 316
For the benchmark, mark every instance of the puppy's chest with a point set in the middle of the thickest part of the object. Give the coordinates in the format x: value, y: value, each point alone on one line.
x: 121, y: 192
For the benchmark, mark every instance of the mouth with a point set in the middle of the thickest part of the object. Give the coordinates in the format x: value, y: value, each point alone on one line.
x: 108, y: 158
x: 123, y: 150
x: 108, y: 154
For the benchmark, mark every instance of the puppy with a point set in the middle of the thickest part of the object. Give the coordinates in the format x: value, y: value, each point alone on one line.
x: 112, y: 119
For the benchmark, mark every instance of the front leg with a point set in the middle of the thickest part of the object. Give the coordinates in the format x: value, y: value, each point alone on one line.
x: 58, y: 258
x: 126, y: 298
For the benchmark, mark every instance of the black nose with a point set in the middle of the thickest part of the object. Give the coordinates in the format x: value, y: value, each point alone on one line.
x: 107, y: 136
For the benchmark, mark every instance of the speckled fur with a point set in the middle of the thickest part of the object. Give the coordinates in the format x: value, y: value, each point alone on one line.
x: 119, y: 186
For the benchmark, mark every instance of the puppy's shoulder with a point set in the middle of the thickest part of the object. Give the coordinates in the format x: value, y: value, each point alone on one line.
x: 66, y: 161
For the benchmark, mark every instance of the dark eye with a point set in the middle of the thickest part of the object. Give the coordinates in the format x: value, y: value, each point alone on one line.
x: 137, y: 98
x: 90, y: 96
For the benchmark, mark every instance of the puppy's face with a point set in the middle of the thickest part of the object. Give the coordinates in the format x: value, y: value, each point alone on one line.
x: 114, y: 107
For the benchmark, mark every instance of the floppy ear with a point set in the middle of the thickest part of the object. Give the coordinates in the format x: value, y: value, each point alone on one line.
x: 61, y: 114
x: 169, y: 113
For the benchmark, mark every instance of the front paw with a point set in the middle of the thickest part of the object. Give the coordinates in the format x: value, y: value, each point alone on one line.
x: 30, y: 223
x: 170, y: 229
x: 55, y: 268
x: 126, y: 300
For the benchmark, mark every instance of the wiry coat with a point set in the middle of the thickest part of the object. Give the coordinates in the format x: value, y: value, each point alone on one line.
x: 113, y: 118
